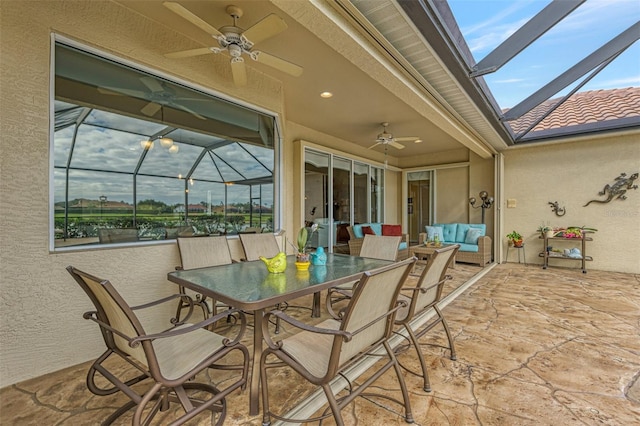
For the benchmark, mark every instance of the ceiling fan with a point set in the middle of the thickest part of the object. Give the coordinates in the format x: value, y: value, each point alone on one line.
x: 236, y: 41
x: 158, y: 95
x: 386, y: 138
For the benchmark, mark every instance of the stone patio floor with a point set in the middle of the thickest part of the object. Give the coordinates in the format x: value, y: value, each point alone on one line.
x: 535, y: 347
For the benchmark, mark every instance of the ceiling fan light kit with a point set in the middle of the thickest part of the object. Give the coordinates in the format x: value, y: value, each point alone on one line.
x: 237, y: 42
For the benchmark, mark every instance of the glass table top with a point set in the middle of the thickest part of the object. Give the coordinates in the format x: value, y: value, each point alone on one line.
x: 249, y: 286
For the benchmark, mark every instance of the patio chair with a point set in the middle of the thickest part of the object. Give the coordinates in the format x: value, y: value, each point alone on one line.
x: 423, y: 297
x: 256, y: 245
x: 323, y: 352
x: 200, y: 252
x: 169, y: 359
x: 373, y: 246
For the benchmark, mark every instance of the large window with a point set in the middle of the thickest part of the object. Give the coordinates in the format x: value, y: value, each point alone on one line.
x: 139, y: 157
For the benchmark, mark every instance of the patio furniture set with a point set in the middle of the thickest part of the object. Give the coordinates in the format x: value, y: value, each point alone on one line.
x: 378, y: 301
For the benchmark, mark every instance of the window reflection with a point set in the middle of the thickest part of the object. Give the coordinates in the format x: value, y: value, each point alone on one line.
x: 139, y: 158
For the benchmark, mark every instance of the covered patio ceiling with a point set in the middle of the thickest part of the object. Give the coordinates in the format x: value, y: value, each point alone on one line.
x: 374, y: 57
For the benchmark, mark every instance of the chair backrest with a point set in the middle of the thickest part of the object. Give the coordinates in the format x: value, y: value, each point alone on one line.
x: 256, y: 245
x: 371, y: 307
x: 380, y: 247
x: 432, y: 279
x: 112, y: 309
x: 200, y: 252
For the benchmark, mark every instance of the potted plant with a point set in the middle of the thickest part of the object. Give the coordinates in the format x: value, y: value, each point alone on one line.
x: 515, y: 238
x: 545, y: 230
x: 302, y: 257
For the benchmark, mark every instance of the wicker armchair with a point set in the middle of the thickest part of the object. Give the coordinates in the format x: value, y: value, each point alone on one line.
x: 355, y: 245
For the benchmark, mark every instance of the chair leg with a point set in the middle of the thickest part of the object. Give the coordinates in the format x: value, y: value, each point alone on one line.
x: 335, y: 408
x: 446, y: 330
x: 403, y: 386
x: 423, y: 364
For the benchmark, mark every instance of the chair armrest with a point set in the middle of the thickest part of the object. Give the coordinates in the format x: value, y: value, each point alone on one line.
x: 298, y: 324
x: 184, y: 297
x: 172, y: 332
x: 484, y: 243
x: 355, y: 245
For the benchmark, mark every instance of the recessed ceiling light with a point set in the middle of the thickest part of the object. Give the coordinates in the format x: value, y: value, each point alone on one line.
x: 418, y: 141
x: 326, y: 95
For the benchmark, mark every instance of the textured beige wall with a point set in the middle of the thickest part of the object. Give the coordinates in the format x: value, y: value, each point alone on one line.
x: 41, y: 325
x: 572, y: 174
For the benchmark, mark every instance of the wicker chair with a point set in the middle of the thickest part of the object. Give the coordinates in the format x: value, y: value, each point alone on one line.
x: 355, y: 245
x: 323, y: 352
x: 170, y: 359
x: 424, y: 297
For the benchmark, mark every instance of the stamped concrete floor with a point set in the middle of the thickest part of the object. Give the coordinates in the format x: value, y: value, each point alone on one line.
x: 535, y: 347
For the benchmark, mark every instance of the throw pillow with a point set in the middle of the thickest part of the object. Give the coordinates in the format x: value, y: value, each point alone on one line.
x: 432, y: 231
x: 472, y: 236
x: 366, y: 230
x: 392, y: 230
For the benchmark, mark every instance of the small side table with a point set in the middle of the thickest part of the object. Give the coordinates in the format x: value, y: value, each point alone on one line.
x: 518, y: 249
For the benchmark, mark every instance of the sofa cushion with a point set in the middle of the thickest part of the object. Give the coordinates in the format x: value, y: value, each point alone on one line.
x: 468, y: 247
x: 449, y: 230
x: 402, y: 246
x: 377, y: 228
x: 432, y: 231
x: 357, y: 229
x: 392, y: 230
x: 472, y: 236
x: 461, y: 231
x: 367, y: 230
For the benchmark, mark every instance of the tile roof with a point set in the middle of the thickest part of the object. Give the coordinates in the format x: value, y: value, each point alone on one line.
x: 583, y: 108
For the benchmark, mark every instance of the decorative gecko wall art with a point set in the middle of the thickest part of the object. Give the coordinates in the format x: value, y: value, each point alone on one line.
x: 618, y: 189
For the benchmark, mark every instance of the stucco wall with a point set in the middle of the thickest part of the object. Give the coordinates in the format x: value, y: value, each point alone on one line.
x: 572, y: 174
x: 41, y: 325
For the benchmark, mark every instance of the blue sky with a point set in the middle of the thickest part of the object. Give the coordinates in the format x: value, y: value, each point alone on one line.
x: 485, y: 24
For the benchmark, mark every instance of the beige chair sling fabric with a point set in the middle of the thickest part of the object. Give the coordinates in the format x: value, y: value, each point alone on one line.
x: 374, y: 246
x: 200, y: 252
x: 256, y: 245
x: 171, y: 359
x: 425, y: 296
x: 380, y: 247
x: 319, y: 353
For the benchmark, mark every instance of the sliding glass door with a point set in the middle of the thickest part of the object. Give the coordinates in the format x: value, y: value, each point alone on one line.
x: 338, y: 193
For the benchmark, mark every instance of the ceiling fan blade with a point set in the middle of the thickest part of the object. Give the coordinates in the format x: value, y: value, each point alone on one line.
x: 266, y: 28
x: 188, y: 53
x: 189, y: 110
x: 375, y: 144
x: 277, y: 63
x: 239, y: 72
x: 396, y: 145
x: 406, y: 139
x: 153, y: 84
x: 150, y: 109
x: 195, y: 20
x: 122, y: 92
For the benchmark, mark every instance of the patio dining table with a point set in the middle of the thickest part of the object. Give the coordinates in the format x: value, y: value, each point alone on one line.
x: 250, y: 287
